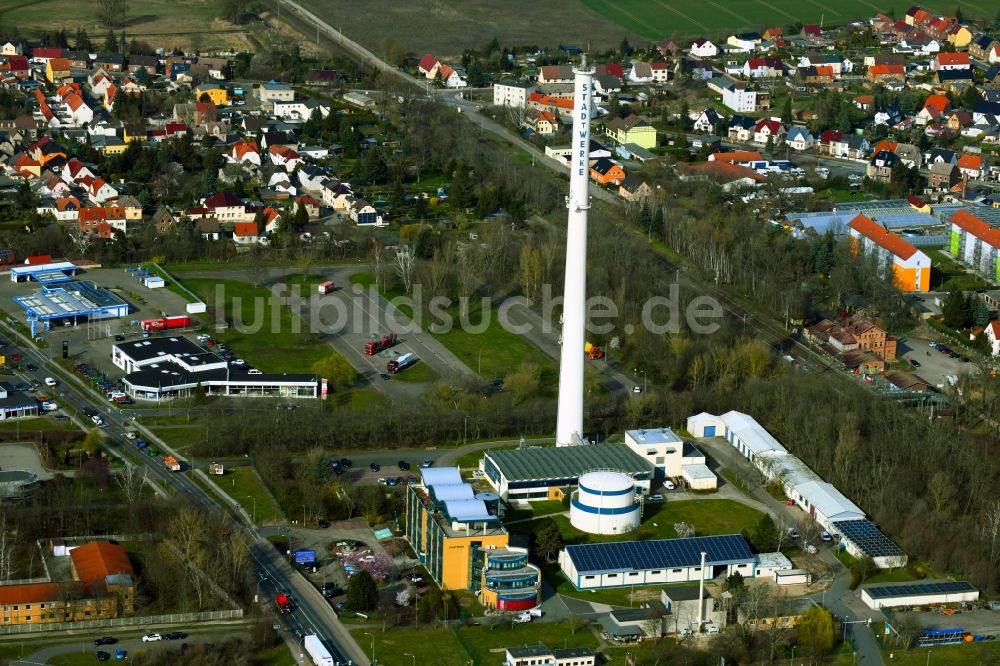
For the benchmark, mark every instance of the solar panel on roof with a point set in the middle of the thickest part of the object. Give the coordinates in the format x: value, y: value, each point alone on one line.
x: 868, y: 538
x: 919, y: 588
x: 659, y: 554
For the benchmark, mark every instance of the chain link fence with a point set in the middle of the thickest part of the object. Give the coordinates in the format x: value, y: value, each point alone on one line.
x: 137, y: 621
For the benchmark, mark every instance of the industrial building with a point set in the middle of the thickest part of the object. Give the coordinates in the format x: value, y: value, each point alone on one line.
x: 821, y: 500
x: 70, y: 303
x: 861, y: 538
x: 672, y: 457
x: 605, y: 503
x: 16, y: 404
x: 620, y: 564
x: 171, y: 367
x: 917, y: 593
x: 47, y: 273
x: 458, y: 538
x: 541, y: 473
x: 542, y: 655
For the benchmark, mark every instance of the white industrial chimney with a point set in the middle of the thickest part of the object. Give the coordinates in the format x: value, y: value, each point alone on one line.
x: 569, y: 422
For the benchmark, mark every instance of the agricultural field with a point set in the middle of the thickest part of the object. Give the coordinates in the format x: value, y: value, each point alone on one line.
x: 655, y: 19
x: 447, y: 28
x: 182, y: 23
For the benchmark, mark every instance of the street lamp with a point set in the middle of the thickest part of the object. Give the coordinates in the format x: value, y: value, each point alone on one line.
x: 368, y: 633
x: 412, y: 656
x: 792, y: 658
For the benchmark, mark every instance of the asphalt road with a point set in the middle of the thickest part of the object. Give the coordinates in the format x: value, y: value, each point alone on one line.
x: 312, y: 613
x: 131, y: 644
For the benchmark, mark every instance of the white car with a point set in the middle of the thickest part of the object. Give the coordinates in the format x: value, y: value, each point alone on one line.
x: 825, y: 536
x: 204, y: 338
x: 149, y: 638
x: 49, y: 406
x: 636, y: 389
x: 130, y: 434
x: 669, y: 485
x: 97, y: 420
x: 523, y: 618
x: 50, y: 382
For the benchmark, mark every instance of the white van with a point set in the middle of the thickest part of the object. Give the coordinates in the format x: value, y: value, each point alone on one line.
x: 50, y: 382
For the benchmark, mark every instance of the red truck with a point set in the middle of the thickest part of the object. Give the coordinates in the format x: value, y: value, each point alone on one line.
x: 284, y: 603
x: 165, y: 323
x: 373, y: 347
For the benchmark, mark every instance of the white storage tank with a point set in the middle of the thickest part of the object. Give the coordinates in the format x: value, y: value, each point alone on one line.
x: 605, y: 503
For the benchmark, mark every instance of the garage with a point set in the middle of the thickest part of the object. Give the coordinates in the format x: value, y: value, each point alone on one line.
x: 710, y: 431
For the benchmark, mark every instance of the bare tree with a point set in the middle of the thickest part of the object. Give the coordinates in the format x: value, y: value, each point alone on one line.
x: 405, y: 262
x: 377, y: 256
x: 80, y: 240
x: 991, y: 528
x: 112, y: 12
x: 6, y: 551
x: 131, y: 479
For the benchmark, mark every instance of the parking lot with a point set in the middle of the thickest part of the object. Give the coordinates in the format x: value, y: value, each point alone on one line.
x: 935, y: 366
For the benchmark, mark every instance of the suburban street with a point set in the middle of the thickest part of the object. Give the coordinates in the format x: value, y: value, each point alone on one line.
x: 311, y: 613
x: 131, y: 644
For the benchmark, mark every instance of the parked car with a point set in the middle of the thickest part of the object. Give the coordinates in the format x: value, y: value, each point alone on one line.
x: 49, y: 381
x: 793, y: 533
x: 346, y: 463
x: 49, y: 406
x: 427, y: 463
x: 174, y: 635
x: 32, y: 368
x: 120, y: 654
x: 656, y: 498
x: 403, y: 465
x: 374, y: 467
x: 811, y: 549
x: 825, y: 536
x: 669, y: 485
x: 102, y: 655
x: 130, y: 434
x: 323, y: 524
x: 149, y: 638
x: 119, y: 338
x: 105, y: 640
x: 97, y: 420
x: 915, y: 362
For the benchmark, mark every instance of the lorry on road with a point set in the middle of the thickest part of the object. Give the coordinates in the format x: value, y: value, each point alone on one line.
x: 317, y: 651
x: 373, y: 347
x: 326, y: 287
x: 172, y: 464
x: 166, y: 323
x: 397, y: 365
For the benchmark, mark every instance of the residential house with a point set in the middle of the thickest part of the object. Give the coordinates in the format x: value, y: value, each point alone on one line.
x: 885, y: 73
x: 311, y: 205
x: 741, y: 99
x: 511, y: 94
x: 881, y: 165
x: 131, y: 206
x: 311, y: 178
x: 741, y: 157
x: 112, y: 62
x: 981, y: 46
x: 954, y: 80
x: 451, y: 77
x: 668, y: 47
x: 75, y: 170
x: 943, y: 176
x: 227, y: 208
x: 767, y: 130
x: 641, y: 72
x: 98, y: 190
x: 63, y: 209
x: 428, y: 66
x: 208, y: 229
x: 908, y: 153
x: 632, y: 129
x: 209, y: 92
x: 101, y: 222
x: 941, y: 155
x: 703, y: 48
x: 741, y: 128
x: 730, y: 177
x: 634, y: 188
x: 851, y: 146
x: 11, y: 49
x: 815, y: 74
x: 244, y: 152
x: 246, y: 233
x: 285, y: 157
x: 972, y: 166
x: 275, y: 92
x: 811, y: 32
x: 709, y: 121
x: 994, y: 55
x: 605, y: 171
x: 300, y: 110
x: 744, y: 42
x: 363, y: 213
x: 541, y: 655
x: 57, y: 71
x: 541, y: 122
x: 888, y: 116
x: 763, y: 68
x: 271, y: 219
x: 799, y: 138
x: 934, y: 107
x: 948, y: 60
x: 562, y: 108
x: 15, y: 65
x: 983, y: 108
x: 217, y: 68
x: 910, y: 268
x: 555, y: 74
x: 150, y: 63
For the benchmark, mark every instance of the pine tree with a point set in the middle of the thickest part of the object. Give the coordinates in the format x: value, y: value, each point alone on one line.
x: 981, y: 313
x: 362, y: 592
x: 958, y: 15
x: 301, y: 217
x: 786, y: 111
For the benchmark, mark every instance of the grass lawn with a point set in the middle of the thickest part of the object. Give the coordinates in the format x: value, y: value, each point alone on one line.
x: 483, y: 640
x: 180, y: 438
x: 429, y: 645
x: 244, y: 486
x: 418, y: 373
x: 73, y: 659
x: 546, y: 507
x: 364, y: 399
x: 279, y: 655
x: 983, y: 652
x: 495, y: 352
x: 471, y: 459
x: 947, y: 274
x: 264, y: 331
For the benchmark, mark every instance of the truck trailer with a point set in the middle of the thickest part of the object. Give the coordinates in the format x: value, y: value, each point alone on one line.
x: 326, y: 287
x: 172, y: 464
x: 166, y: 323
x: 317, y: 651
x: 373, y: 347
x: 397, y: 365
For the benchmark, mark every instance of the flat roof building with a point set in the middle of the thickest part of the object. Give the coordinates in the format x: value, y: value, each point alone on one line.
x: 862, y: 538
x: 538, y: 473
x: 71, y: 302
x: 671, y: 457
x: 663, y: 561
x: 458, y: 538
x: 542, y: 655
x: 917, y: 593
x: 163, y: 368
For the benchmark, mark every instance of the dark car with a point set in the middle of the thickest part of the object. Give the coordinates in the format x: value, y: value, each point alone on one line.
x: 22, y: 387
x: 331, y: 590
x: 323, y: 524
x: 346, y: 462
x: 102, y: 655
x: 385, y: 376
x: 337, y: 469
x: 427, y: 463
x: 105, y: 640
x: 119, y: 338
x: 954, y: 355
x: 31, y: 367
x: 374, y: 467
x: 174, y: 635
x: 403, y: 465
x: 915, y: 362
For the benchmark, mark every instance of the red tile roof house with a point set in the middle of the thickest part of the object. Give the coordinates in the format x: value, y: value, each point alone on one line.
x: 245, y: 233
x: 428, y: 66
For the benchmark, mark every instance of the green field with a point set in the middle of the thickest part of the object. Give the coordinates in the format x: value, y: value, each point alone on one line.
x: 400, y: 646
x: 656, y: 19
x: 244, y: 486
x: 269, y: 340
x: 946, y: 655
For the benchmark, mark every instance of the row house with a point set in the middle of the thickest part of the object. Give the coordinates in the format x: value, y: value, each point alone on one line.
x: 885, y: 73
x: 975, y: 244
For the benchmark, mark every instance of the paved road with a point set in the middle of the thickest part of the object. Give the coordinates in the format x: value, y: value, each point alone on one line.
x: 312, y: 612
x: 132, y: 643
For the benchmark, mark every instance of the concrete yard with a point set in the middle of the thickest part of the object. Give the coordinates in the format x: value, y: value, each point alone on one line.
x: 935, y: 367
x: 23, y: 456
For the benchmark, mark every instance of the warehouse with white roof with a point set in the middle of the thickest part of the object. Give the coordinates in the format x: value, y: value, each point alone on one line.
x: 671, y: 457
